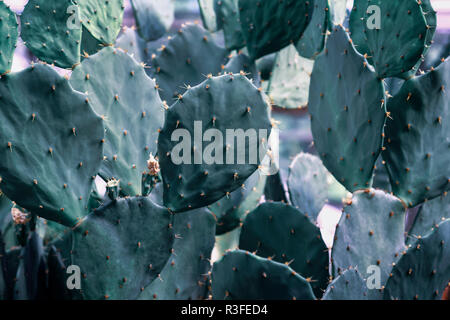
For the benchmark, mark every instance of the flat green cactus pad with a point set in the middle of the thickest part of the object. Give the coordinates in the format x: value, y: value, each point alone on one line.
x: 422, y: 273
x: 51, y: 30
x: 153, y: 17
x: 241, y: 275
x: 51, y: 140
x: 127, y: 99
x: 370, y: 233
x: 269, y: 26
x: 122, y: 247
x: 399, y: 42
x: 418, y: 137
x: 278, y: 231
x: 212, y: 170
x: 347, y: 107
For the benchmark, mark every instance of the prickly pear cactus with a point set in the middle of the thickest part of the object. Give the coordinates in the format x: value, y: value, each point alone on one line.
x: 228, y: 11
x: 186, y: 60
x: 269, y: 26
x: 312, y: 41
x: 185, y: 274
x: 50, y: 34
x: 153, y: 17
x: 218, y: 104
x: 270, y: 280
x: 52, y: 142
x: 423, y: 271
x: 402, y: 21
x: 370, y: 233
x: 420, y: 113
x: 102, y: 19
x: 10, y: 32
x: 122, y: 247
x: 347, y: 107
x: 132, y: 114
x: 284, y: 234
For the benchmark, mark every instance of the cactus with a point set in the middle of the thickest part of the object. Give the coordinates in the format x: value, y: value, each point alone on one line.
x: 52, y: 147
x: 132, y: 116
x: 102, y: 19
x: 348, y: 137
x: 405, y: 20
x: 370, y: 233
x: 231, y: 210
x: 228, y: 11
x: 46, y: 32
x: 185, y: 61
x: 337, y: 12
x: 419, y: 114
x: 270, y: 280
x: 118, y: 257
x: 208, y: 14
x: 350, y: 286
x: 430, y: 214
x: 9, y: 34
x: 269, y: 26
x: 422, y: 271
x: 183, y: 276
x: 153, y: 17
x: 308, y: 185
x: 209, y: 104
x: 312, y: 41
x: 284, y: 234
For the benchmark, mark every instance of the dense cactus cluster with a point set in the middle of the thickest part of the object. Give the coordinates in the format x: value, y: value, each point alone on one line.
x: 114, y: 119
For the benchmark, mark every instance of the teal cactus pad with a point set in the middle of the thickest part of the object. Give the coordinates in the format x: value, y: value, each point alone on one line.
x: 9, y: 34
x: 229, y: 13
x: 312, y: 41
x: 132, y: 113
x: 208, y: 14
x: 89, y: 45
x: 221, y: 103
x: 269, y: 26
x: 130, y: 42
x: 278, y: 231
x: 185, y: 274
x: 45, y: 31
x: 241, y: 275
x: 241, y: 63
x: 51, y: 140
x: 429, y: 216
x: 403, y: 22
x: 232, y: 209
x: 422, y: 273
x: 418, y: 137
x: 186, y: 60
x: 274, y: 189
x: 101, y: 18
x: 350, y: 285
x: 3, y: 286
x: 122, y: 247
x: 370, y: 232
x: 290, y: 79
x: 347, y: 107
x: 153, y: 17
x: 308, y: 185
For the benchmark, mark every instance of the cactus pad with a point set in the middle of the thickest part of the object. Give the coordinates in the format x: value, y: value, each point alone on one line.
x: 9, y: 34
x: 153, y: 17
